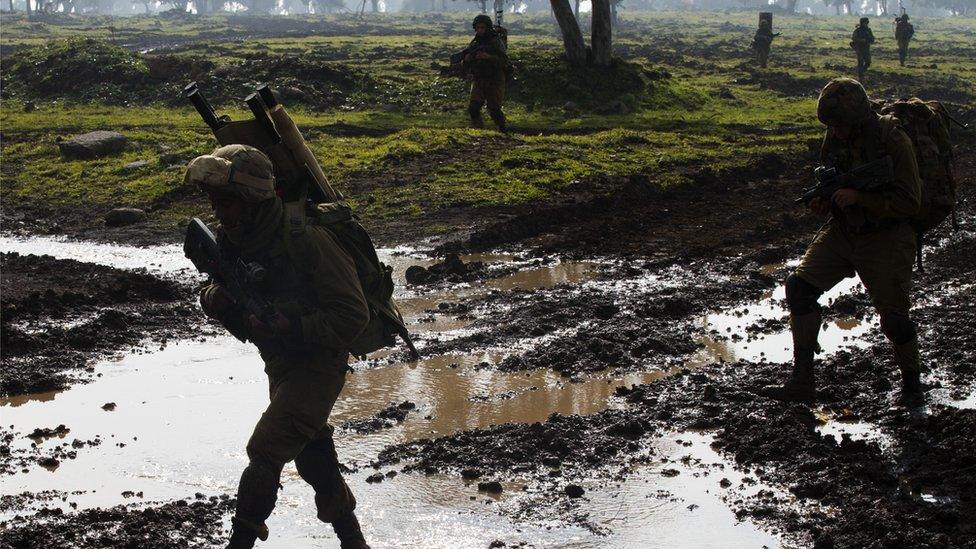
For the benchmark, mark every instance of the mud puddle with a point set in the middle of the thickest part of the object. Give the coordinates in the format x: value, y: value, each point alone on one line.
x: 156, y: 444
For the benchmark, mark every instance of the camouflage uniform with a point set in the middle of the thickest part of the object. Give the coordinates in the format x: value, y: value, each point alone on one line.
x: 871, y: 238
x: 861, y: 40
x: 903, y: 34
x: 312, y: 282
x: 762, y: 42
x: 488, y: 76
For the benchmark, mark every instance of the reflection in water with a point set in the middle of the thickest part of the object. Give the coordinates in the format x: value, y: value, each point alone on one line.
x: 184, y: 413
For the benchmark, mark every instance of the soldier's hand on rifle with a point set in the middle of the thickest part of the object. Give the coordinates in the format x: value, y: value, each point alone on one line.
x: 215, y: 300
x: 846, y: 197
x: 277, y: 325
x: 820, y: 206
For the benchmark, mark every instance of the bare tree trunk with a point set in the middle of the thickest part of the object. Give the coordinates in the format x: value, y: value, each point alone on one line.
x: 576, y: 9
x: 27, y: 8
x: 375, y: 5
x: 572, y: 37
x: 484, y: 6
x: 847, y: 6
x: 602, y: 32
x: 791, y: 6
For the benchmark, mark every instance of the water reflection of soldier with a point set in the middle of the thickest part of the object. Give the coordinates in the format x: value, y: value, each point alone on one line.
x: 318, y: 307
x: 903, y: 34
x: 868, y: 234
x: 486, y: 65
x: 763, y: 40
x: 861, y: 40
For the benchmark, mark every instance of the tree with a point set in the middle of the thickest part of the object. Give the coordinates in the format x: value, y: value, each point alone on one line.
x: 572, y: 37
x: 601, y: 29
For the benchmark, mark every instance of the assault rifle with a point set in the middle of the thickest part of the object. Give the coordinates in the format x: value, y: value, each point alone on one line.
x: 237, y: 277
x: 867, y: 177
x: 458, y: 58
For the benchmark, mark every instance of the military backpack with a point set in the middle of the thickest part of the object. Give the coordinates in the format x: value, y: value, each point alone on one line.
x: 927, y: 125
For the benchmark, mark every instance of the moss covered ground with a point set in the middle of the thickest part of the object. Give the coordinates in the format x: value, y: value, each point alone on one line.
x: 390, y: 128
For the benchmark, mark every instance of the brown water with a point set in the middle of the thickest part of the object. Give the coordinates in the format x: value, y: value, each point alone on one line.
x: 183, y: 414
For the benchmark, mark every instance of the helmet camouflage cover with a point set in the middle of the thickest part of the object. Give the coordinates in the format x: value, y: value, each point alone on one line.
x: 483, y: 20
x: 843, y: 102
x: 236, y: 169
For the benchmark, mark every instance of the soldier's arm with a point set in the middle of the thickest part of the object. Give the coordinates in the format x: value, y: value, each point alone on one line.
x: 903, y: 197
x: 339, y: 312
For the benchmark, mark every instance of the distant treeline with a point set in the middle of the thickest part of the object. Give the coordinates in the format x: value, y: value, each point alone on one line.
x: 41, y: 8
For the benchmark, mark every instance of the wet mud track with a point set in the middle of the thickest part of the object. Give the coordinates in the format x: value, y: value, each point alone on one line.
x: 60, y: 315
x: 639, y: 309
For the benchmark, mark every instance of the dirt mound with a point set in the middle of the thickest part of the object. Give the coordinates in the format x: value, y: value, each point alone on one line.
x: 60, y: 315
x: 196, y: 522
x: 548, y: 81
x: 80, y: 68
x: 782, y: 83
x: 86, y: 69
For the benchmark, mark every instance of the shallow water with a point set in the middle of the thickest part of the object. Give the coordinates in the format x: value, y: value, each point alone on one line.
x: 184, y: 412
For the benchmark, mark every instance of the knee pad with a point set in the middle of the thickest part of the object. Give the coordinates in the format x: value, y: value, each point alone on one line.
x: 898, y: 328
x: 801, y: 296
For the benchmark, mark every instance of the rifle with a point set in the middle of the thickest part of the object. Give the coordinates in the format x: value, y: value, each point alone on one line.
x: 457, y: 58
x: 237, y: 277
x: 867, y: 177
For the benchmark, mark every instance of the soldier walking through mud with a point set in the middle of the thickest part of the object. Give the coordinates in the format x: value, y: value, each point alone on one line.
x: 763, y: 40
x: 316, y: 307
x: 868, y: 234
x: 904, y: 31
x: 861, y: 40
x: 485, y: 61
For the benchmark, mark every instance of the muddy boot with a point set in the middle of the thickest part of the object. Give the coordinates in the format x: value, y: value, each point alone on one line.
x: 800, y: 387
x: 909, y: 362
x: 256, y: 497
x: 349, y: 533
x: 244, y: 533
x: 474, y: 111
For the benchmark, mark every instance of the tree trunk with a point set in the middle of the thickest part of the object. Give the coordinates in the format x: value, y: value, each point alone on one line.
x: 484, y: 6
x: 375, y: 5
x: 847, y: 6
x: 572, y: 37
x: 576, y: 9
x: 27, y: 8
x: 791, y: 6
x: 602, y: 31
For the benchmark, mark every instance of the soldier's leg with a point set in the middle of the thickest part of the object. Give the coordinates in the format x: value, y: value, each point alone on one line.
x: 301, y: 401
x: 495, y: 95
x: 318, y: 465
x: 885, y: 268
x: 763, y: 57
x: 475, y: 103
x: 825, y: 263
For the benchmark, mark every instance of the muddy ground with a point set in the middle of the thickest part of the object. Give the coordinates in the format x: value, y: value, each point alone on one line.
x: 667, y: 269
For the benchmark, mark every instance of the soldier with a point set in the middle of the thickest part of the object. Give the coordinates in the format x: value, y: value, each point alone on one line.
x: 762, y: 41
x: 861, y: 41
x: 903, y: 34
x: 486, y: 63
x: 318, y: 308
x: 868, y: 234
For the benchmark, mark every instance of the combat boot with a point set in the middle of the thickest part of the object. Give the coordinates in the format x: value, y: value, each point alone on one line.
x: 350, y: 534
x: 498, y: 117
x: 244, y: 533
x: 800, y: 387
x: 909, y: 362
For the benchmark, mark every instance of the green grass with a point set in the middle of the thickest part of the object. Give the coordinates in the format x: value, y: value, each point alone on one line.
x: 699, y: 102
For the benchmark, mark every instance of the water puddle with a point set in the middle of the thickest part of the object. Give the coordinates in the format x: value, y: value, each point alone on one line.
x: 183, y: 413
x: 841, y: 424
x: 760, y: 331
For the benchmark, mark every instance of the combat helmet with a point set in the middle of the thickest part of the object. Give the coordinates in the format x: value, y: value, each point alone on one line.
x: 241, y: 170
x: 482, y: 19
x: 864, y: 21
x: 843, y: 102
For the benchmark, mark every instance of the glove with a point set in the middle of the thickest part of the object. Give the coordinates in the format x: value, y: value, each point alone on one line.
x: 216, y: 301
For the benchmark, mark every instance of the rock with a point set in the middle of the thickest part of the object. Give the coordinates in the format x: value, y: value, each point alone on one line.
x: 416, y: 274
x: 470, y: 474
x: 108, y: 406
x: 132, y: 166
x: 120, y: 217
x: 670, y: 472
x: 288, y: 93
x: 574, y: 490
x: 492, y: 486
x: 171, y: 159
x: 375, y: 477
x: 93, y: 145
